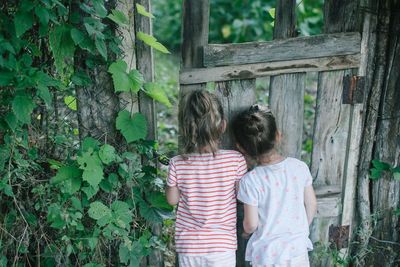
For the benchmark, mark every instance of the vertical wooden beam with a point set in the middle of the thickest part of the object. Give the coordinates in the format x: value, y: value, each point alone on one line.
x: 195, y: 20
x: 287, y: 90
x: 145, y: 64
x: 332, y: 127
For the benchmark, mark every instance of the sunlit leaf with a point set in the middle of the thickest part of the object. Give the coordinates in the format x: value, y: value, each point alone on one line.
x: 142, y: 11
x: 152, y: 41
x: 70, y: 101
x: 118, y: 17
x: 157, y: 93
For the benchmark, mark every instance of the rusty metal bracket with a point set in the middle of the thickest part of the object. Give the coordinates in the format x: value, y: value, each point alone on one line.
x: 339, y: 236
x: 353, y: 89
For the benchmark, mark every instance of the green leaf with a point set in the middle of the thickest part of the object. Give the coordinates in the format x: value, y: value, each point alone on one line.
x: 23, y: 21
x: 380, y: 165
x: 154, y: 91
x: 150, y: 214
x: 11, y: 120
x: 61, y: 45
x: 118, y: 17
x: 375, y: 174
x: 122, y: 216
x: 65, y: 173
x: 89, y: 143
x: 80, y: 78
x: 42, y: 14
x: 124, y: 82
x: 90, y: 191
x: 136, y: 79
x: 120, y: 78
x: 99, y: 8
x: 107, y: 154
x: 77, y: 36
x: 98, y: 210
x: 271, y: 12
x: 101, y: 47
x: 152, y: 41
x: 124, y: 254
x: 142, y: 11
x: 159, y: 200
x: 70, y: 101
x: 23, y: 106
x: 44, y: 94
x: 92, y: 167
x: 132, y: 128
x: 6, y: 77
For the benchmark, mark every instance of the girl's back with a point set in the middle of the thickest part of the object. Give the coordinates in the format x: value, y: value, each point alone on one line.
x: 278, y: 192
x: 206, y: 214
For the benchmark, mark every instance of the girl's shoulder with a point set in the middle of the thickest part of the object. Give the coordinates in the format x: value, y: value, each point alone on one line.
x: 295, y: 163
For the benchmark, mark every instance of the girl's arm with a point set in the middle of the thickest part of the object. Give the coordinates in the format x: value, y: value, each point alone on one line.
x: 310, y: 203
x: 250, y: 221
x: 172, y: 193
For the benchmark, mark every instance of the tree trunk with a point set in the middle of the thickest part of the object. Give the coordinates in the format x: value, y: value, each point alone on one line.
x: 385, y: 199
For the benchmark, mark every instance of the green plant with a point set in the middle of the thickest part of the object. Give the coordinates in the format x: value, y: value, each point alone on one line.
x: 65, y: 199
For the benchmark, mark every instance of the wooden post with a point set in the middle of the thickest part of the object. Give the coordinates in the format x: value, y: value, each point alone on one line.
x: 287, y: 90
x: 145, y: 64
x: 332, y: 143
x: 195, y: 21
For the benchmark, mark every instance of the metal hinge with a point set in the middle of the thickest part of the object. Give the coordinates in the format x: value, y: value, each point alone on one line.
x: 339, y: 236
x: 353, y: 89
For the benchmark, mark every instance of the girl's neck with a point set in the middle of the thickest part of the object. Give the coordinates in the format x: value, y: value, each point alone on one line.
x: 271, y: 157
x: 204, y: 150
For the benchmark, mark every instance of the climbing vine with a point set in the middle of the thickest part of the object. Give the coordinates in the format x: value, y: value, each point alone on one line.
x: 68, y: 199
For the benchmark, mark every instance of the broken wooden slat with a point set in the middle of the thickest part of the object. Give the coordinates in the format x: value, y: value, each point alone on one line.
x: 248, y: 71
x: 325, y: 45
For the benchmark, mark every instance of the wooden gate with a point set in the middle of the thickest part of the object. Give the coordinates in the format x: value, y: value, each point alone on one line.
x: 336, y: 56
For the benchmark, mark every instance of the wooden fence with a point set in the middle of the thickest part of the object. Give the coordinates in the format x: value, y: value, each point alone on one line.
x: 336, y: 56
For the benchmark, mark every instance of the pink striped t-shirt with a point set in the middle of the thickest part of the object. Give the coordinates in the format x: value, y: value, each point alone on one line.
x: 206, y: 214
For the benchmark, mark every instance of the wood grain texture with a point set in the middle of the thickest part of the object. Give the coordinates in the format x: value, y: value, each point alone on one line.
x: 286, y: 92
x: 257, y: 70
x: 286, y: 102
x: 331, y: 129
x: 278, y: 50
x: 145, y: 64
x: 235, y: 97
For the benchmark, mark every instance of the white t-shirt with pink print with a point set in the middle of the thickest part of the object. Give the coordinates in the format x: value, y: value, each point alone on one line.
x: 278, y: 192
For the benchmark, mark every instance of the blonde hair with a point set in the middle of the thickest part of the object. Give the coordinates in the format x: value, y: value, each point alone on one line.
x: 200, y: 119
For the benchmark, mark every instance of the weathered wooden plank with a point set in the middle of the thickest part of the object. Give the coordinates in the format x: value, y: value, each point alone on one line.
x: 324, y: 45
x: 331, y: 129
x: 327, y: 190
x: 145, y: 64
x: 235, y: 97
x: 332, y: 123
x: 286, y: 91
x: 194, y: 37
x: 329, y: 206
x: 353, y: 153
x: 249, y: 71
x: 286, y: 102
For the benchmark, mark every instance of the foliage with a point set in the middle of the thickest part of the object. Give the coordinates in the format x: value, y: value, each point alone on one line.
x: 70, y: 200
x: 235, y: 21
x: 379, y: 168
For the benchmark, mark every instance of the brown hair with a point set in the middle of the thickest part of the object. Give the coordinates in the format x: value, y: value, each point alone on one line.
x: 255, y: 130
x: 200, y: 119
